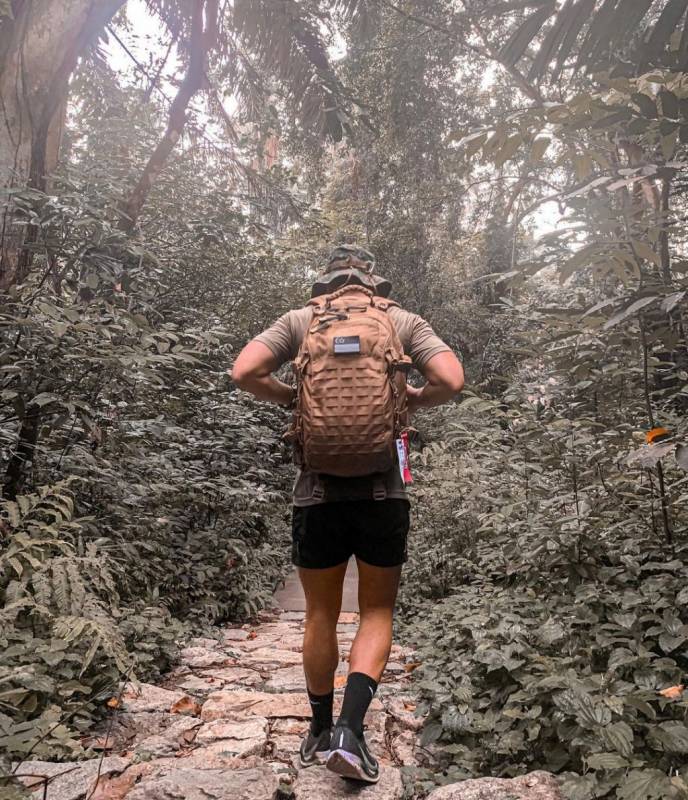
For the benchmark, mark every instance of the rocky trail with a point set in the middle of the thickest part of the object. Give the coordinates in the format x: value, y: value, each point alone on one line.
x: 227, y: 721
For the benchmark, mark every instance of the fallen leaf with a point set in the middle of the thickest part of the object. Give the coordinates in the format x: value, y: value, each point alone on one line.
x: 409, y: 706
x: 339, y: 681
x: 252, y: 635
x: 186, y: 705
x: 113, y: 702
x: 673, y: 692
x: 189, y: 736
x: 656, y: 435
x: 411, y: 666
x: 102, y: 743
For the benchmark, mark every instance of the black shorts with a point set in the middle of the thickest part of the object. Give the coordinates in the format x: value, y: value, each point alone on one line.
x: 328, y: 534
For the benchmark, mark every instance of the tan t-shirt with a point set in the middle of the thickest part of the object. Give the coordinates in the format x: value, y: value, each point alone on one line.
x: 284, y: 338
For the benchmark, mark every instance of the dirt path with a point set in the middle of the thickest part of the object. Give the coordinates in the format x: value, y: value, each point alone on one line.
x: 227, y: 722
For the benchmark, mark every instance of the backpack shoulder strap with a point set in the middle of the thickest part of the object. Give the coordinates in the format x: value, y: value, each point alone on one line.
x: 384, y: 303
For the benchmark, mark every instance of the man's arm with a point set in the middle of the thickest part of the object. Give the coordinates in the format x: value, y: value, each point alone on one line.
x: 444, y: 375
x: 252, y: 371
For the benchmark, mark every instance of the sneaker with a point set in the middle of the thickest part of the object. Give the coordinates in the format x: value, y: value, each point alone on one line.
x: 350, y: 758
x: 315, y: 749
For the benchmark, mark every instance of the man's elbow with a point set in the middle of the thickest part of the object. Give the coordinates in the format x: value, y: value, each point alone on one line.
x: 241, y: 377
x: 454, y: 381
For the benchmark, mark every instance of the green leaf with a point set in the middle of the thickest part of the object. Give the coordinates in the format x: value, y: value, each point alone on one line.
x: 619, y: 737
x: 606, y: 761
x: 673, y: 736
x: 645, y: 784
x: 508, y: 149
x: 539, y: 148
x: 645, y: 251
x: 629, y: 311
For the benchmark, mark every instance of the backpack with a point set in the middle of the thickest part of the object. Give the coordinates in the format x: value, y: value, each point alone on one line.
x: 351, y: 386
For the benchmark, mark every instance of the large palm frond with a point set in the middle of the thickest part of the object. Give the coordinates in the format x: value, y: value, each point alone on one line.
x: 288, y: 38
x: 590, y: 33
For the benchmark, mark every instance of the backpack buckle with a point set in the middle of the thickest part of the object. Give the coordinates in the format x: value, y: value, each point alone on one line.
x: 318, y: 492
x: 379, y: 490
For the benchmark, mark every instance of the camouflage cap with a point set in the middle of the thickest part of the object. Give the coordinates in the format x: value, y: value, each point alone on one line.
x: 350, y: 254
x: 350, y: 263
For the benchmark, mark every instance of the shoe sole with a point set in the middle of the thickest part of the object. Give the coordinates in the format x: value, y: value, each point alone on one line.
x: 320, y: 758
x: 348, y: 765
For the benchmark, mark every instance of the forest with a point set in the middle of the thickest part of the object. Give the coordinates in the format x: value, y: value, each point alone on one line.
x: 174, y: 173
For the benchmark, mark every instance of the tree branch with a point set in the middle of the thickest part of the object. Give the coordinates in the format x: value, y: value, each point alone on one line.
x: 193, y: 81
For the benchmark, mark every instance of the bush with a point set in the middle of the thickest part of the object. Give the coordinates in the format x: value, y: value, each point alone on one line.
x: 553, y: 633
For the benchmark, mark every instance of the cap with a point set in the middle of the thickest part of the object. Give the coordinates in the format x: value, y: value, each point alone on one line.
x: 350, y: 263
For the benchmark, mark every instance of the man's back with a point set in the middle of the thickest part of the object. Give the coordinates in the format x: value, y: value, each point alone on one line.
x: 284, y: 339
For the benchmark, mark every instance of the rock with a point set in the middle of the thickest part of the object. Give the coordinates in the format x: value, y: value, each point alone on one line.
x: 292, y: 616
x: 208, y: 784
x: 199, y: 657
x: 146, y: 697
x: 125, y: 727
x: 270, y: 658
x: 534, y: 786
x: 348, y: 618
x: 403, y: 748
x: 223, y: 705
x: 235, y: 635
x: 240, y: 738
x: 204, y: 641
x: 231, y: 675
x: 346, y: 629
x: 69, y: 781
x: 224, y: 750
x: 298, y: 727
x: 288, y: 679
x: 402, y: 709
x: 180, y: 733
x: 243, y: 703
x: 194, y: 683
x: 317, y: 783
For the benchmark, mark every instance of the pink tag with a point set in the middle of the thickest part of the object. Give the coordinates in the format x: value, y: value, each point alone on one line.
x: 403, y: 456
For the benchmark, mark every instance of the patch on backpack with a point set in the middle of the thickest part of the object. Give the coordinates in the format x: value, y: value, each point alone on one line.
x: 345, y: 345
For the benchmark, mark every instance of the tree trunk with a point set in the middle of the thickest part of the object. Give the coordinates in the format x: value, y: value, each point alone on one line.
x: 39, y: 49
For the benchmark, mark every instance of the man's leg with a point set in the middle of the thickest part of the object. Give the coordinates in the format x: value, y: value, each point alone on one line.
x: 323, y: 591
x: 377, y: 593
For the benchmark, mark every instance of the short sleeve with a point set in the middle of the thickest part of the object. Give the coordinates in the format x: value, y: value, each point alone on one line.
x: 418, y: 338
x: 280, y: 338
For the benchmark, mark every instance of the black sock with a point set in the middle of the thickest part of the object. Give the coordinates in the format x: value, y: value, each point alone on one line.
x: 360, y: 689
x: 321, y: 706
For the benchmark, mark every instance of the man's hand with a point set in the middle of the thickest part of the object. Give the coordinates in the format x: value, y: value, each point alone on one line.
x: 444, y: 374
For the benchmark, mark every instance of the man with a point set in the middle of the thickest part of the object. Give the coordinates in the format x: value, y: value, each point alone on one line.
x: 337, y: 517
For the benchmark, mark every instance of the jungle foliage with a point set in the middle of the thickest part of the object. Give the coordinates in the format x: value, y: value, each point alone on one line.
x: 520, y: 171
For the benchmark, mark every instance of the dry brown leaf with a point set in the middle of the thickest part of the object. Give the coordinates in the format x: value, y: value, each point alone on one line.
x: 339, y: 681
x: 113, y: 702
x: 411, y: 666
x: 409, y: 706
x: 673, y: 692
x: 101, y: 743
x: 189, y: 736
x: 186, y: 705
x: 656, y: 434
x: 252, y: 635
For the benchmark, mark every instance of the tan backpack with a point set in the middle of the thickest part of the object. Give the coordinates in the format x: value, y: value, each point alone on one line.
x: 351, y: 386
